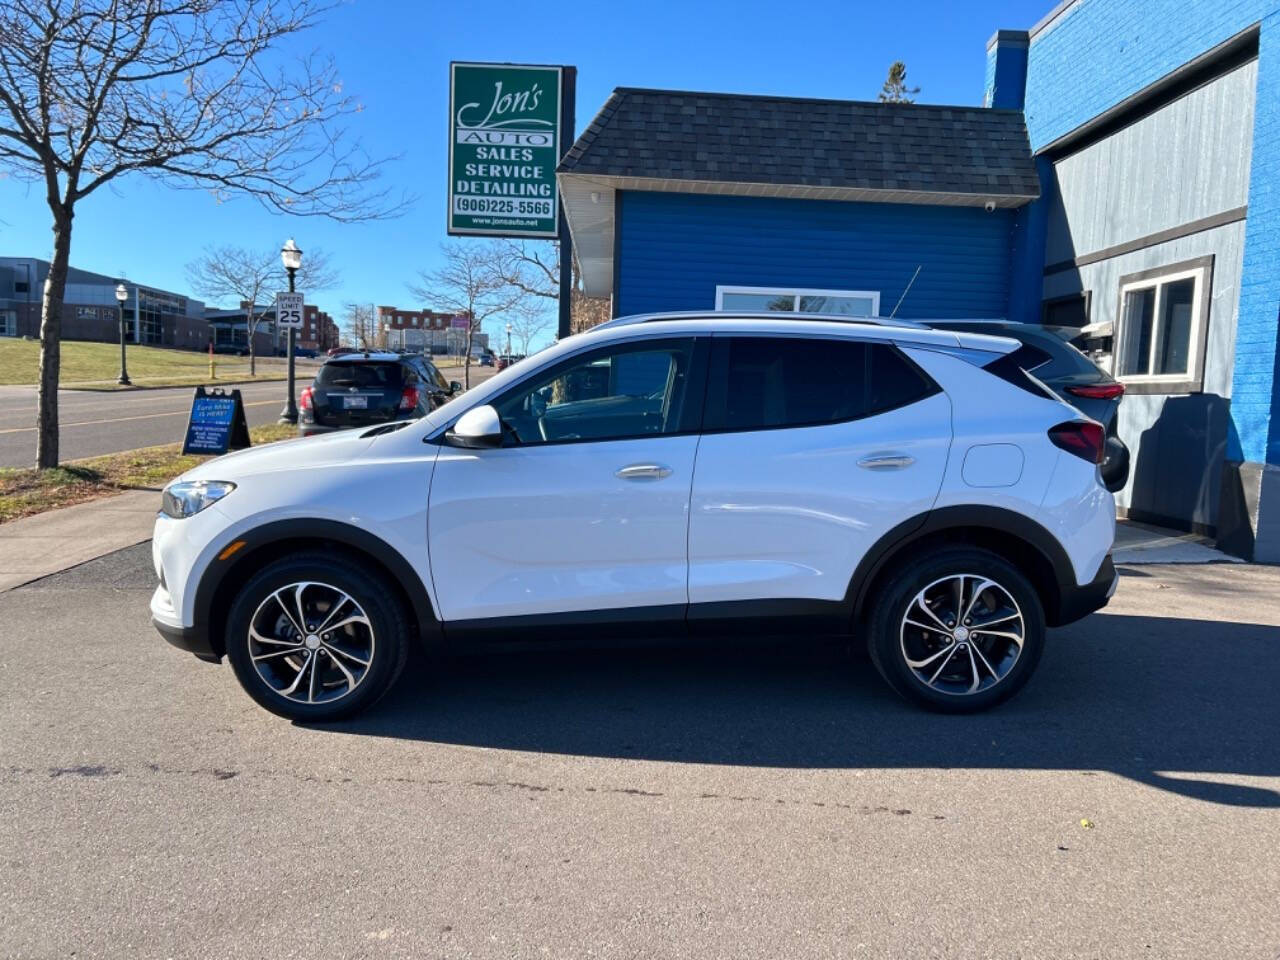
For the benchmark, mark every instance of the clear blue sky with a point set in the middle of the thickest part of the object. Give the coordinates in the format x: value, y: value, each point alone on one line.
x: 394, y: 57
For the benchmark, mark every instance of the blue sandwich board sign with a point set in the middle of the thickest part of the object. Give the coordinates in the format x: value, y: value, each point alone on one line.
x: 217, y: 422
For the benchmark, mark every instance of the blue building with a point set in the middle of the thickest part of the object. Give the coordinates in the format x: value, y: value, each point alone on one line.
x: 1122, y: 177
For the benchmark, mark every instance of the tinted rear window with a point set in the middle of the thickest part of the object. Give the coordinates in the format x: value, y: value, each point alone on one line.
x: 759, y: 383
x: 363, y: 375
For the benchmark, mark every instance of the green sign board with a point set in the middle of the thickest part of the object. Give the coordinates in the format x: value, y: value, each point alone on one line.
x: 504, y: 144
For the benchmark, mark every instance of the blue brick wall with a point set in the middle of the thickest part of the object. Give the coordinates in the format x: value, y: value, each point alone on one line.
x: 1255, y: 387
x: 1100, y: 52
x: 677, y: 247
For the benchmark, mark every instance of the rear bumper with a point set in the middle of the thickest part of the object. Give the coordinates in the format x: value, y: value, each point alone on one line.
x: 1076, y: 601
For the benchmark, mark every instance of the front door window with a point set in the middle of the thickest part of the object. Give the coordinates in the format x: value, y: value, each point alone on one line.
x: 618, y: 393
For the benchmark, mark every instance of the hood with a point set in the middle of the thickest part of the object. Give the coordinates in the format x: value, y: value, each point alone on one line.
x: 303, y: 452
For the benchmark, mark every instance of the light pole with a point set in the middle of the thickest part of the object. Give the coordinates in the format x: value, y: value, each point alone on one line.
x: 121, y: 296
x: 508, y: 339
x: 291, y: 257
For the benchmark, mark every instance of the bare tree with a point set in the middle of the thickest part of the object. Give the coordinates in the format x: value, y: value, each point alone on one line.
x: 469, y: 284
x: 191, y: 92
x: 527, y: 320
x: 535, y: 270
x: 236, y: 274
x: 359, y: 324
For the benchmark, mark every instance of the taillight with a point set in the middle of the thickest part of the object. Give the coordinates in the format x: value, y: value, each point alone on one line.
x: 304, y: 399
x: 1098, y: 391
x: 1084, y: 438
x: 409, y: 399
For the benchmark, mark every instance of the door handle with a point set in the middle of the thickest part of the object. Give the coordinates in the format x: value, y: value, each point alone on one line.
x: 887, y: 461
x: 643, y: 471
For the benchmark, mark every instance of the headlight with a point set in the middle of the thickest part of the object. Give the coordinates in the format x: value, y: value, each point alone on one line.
x: 186, y: 499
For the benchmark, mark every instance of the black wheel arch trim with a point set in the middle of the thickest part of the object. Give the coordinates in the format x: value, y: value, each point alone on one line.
x: 889, y: 547
x: 279, y: 531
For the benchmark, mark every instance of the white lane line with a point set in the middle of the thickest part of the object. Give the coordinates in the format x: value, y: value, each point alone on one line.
x: 64, y: 406
x: 145, y: 416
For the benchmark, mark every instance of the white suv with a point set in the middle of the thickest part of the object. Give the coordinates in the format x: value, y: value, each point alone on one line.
x: 670, y: 476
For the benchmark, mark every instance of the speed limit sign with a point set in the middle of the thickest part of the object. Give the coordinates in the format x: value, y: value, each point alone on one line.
x: 289, y: 309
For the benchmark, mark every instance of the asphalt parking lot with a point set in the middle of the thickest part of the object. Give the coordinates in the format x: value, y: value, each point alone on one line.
x: 773, y: 802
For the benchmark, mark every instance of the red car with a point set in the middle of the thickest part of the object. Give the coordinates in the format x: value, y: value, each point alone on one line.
x: 340, y: 351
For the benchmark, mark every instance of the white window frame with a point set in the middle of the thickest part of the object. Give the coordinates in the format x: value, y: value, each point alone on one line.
x: 796, y: 293
x: 1192, y: 380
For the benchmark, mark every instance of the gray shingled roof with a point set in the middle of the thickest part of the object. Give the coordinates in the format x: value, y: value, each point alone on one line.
x: 734, y: 138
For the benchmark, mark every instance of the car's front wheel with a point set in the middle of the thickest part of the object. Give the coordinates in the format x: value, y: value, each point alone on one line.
x: 957, y: 631
x: 314, y: 637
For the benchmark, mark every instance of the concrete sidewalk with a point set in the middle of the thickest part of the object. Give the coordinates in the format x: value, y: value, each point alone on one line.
x: 1141, y: 543
x: 50, y: 542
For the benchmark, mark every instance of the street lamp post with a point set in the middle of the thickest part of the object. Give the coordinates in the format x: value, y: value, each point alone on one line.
x: 508, y: 339
x: 121, y: 296
x: 291, y: 257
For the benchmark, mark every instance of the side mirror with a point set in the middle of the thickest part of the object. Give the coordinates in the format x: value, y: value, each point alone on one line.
x: 477, y: 428
x: 455, y: 386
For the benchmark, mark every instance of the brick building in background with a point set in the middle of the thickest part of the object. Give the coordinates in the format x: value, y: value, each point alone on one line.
x: 396, y: 318
x: 318, y: 331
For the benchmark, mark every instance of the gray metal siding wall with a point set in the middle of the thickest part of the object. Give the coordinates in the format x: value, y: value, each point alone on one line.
x: 1185, y: 162
x: 1177, y: 442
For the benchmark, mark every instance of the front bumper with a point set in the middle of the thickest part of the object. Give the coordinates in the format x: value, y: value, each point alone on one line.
x: 190, y: 639
x: 1076, y: 602
x: 168, y: 623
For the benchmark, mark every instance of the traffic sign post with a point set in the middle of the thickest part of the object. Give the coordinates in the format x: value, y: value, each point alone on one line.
x: 289, y: 316
x: 289, y: 310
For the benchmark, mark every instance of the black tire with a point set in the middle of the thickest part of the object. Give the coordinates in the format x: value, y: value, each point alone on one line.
x: 889, y: 637
x: 386, y: 619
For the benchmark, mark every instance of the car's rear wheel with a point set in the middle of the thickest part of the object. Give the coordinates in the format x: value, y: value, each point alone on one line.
x: 314, y: 637
x: 958, y: 631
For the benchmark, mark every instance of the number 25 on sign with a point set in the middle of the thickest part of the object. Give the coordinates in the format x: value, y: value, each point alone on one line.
x: 289, y: 309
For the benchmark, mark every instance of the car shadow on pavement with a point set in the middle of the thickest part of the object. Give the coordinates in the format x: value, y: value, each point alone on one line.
x: 1172, y: 703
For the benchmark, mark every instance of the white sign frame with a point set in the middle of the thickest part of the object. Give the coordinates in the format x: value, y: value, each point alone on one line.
x: 290, y: 311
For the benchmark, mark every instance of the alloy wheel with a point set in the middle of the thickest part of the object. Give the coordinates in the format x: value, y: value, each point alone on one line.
x: 311, y: 642
x: 962, y: 634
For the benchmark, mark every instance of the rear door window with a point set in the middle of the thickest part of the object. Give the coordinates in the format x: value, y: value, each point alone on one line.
x: 762, y: 383
x: 363, y: 376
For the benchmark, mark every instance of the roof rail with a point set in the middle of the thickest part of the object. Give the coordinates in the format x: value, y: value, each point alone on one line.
x: 758, y: 315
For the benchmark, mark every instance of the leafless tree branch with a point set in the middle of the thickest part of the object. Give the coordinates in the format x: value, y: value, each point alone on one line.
x: 200, y: 94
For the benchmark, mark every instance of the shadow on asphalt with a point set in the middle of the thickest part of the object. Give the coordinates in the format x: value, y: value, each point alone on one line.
x: 1167, y: 702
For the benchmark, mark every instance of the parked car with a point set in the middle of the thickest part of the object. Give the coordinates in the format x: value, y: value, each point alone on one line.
x: 486, y: 359
x: 340, y: 351
x: 504, y: 360
x: 306, y: 353
x: 658, y: 476
x: 365, y: 389
x: 231, y: 349
x: 1051, y: 359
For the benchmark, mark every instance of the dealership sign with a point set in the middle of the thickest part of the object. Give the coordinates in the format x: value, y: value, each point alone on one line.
x: 504, y: 144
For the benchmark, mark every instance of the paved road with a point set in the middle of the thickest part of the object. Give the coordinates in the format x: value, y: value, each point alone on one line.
x: 650, y: 804
x: 94, y: 423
